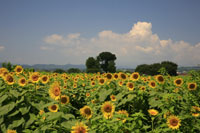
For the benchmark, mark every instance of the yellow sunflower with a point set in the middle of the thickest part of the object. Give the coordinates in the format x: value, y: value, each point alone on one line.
x: 87, y: 94
x: 22, y: 81
x: 195, y: 111
x: 192, y: 86
x: 153, y: 112
x: 64, y: 99
x: 130, y: 86
x: 53, y: 108
x: 9, y: 79
x: 115, y: 76
x: 152, y: 84
x: 160, y: 79
x: 55, y: 91
x: 124, y: 113
x: 92, y: 83
x: 11, y: 131
x: 86, y: 112
x: 178, y: 81
x: 135, y: 76
x: 108, y: 76
x: 101, y: 81
x: 18, y: 69
x: 2, y: 70
x: 142, y: 88
x: 120, y: 83
x: 108, y: 109
x: 79, y: 128
x: 34, y: 77
x: 113, y: 98
x: 122, y: 76
x: 44, y: 79
x: 173, y: 122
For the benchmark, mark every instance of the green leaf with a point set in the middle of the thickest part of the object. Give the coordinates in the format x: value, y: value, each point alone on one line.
x: 45, y: 127
x: 3, y: 98
x: 14, y: 113
x: 104, y: 93
x: 53, y: 115
x: 1, y: 120
x: 21, y: 100
x: 68, y: 124
x: 16, y: 123
x: 68, y: 116
x: 31, y: 120
x: 24, y: 110
x: 14, y: 93
x: 6, y: 108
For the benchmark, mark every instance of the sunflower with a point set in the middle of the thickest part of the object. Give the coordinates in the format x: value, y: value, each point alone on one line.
x: 107, y: 109
x: 79, y: 128
x: 44, y: 79
x: 153, y: 112
x: 108, y: 76
x: 22, y: 81
x: 101, y: 81
x: 173, y: 122
x: 34, y: 77
x: 2, y: 70
x: 152, y: 84
x: 122, y: 76
x: 160, y: 79
x: 195, y: 111
x: 178, y: 81
x: 18, y: 69
x: 86, y: 112
x: 64, y: 99
x: 142, y: 88
x: 120, y: 83
x: 124, y: 113
x: 130, y: 86
x: 192, y: 86
x: 9, y: 79
x: 115, y: 76
x: 92, y: 83
x: 11, y: 131
x: 87, y: 94
x: 113, y: 98
x: 135, y: 76
x: 53, y: 108
x: 75, y: 85
x: 55, y: 91
x: 41, y: 112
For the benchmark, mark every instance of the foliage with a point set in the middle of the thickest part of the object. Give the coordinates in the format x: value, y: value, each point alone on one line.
x: 153, y: 69
x: 73, y: 70
x: 26, y: 108
x: 106, y: 61
x: 59, y: 71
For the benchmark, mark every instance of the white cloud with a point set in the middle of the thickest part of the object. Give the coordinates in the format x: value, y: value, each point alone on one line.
x: 2, y: 48
x: 137, y: 46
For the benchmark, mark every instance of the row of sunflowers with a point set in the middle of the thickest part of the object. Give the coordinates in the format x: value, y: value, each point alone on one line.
x: 109, y: 102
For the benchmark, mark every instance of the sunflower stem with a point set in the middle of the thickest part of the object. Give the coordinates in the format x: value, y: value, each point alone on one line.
x: 152, y: 119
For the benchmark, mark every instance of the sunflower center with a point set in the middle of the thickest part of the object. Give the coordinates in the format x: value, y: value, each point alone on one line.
x: 44, y: 78
x: 153, y: 84
x: 130, y: 85
x: 81, y: 130
x: 160, y: 78
x: 107, y: 109
x: 53, y: 107
x: 178, y: 82
x: 135, y: 76
x: 56, y: 91
x: 123, y: 76
x: 23, y: 81
x: 116, y: 76
x: 173, y: 122
x: 19, y: 69
x: 35, y: 77
x: 10, y: 79
x: 192, y: 86
x: 101, y: 80
x: 87, y: 111
x: 64, y: 100
x: 109, y: 76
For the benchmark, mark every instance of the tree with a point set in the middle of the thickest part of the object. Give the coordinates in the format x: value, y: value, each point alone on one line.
x: 106, y: 61
x: 7, y: 65
x: 59, y: 71
x: 92, y: 65
x: 73, y: 70
x: 171, y: 67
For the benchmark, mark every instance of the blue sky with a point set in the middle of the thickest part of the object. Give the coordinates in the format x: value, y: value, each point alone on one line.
x: 69, y: 31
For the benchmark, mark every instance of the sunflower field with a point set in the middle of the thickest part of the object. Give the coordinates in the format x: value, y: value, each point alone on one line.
x: 44, y: 102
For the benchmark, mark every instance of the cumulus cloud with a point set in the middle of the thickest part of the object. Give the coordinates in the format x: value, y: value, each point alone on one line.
x: 2, y: 48
x: 137, y: 46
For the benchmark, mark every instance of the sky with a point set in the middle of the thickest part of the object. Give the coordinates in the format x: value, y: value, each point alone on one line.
x: 70, y: 31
